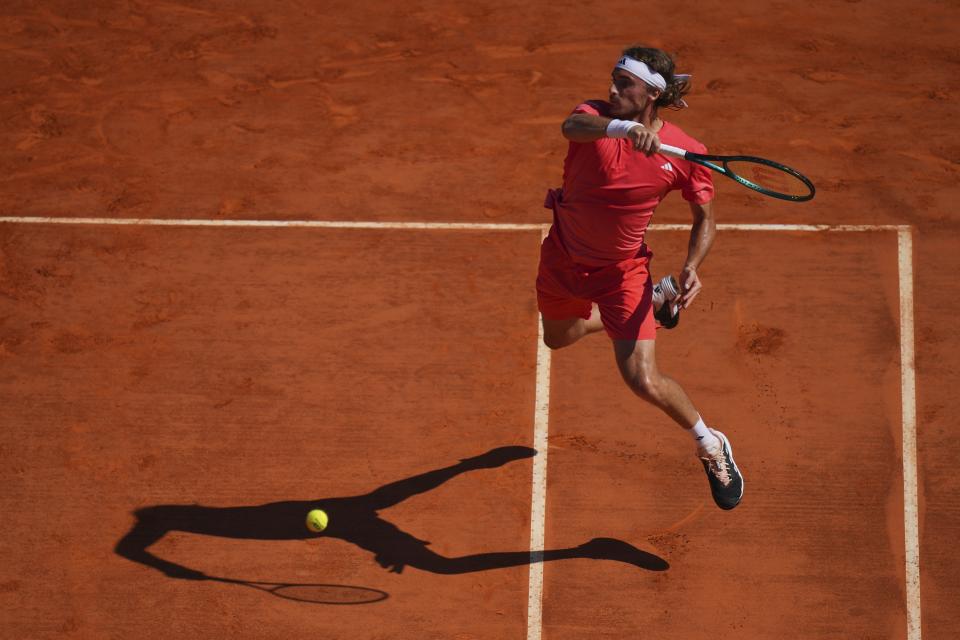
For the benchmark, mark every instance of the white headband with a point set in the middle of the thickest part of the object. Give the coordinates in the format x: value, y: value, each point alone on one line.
x: 642, y: 71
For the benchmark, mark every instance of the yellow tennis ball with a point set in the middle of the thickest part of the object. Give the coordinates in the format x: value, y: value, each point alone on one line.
x: 317, y: 520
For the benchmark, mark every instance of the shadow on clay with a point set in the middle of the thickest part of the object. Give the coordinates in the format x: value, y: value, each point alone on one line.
x: 356, y: 520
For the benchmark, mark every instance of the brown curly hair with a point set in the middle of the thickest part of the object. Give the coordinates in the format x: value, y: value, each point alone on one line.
x: 662, y: 63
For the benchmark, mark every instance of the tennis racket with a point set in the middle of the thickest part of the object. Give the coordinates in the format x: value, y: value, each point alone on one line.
x: 313, y: 593
x: 765, y: 176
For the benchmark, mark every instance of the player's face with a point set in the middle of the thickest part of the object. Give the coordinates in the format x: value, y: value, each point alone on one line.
x: 629, y: 96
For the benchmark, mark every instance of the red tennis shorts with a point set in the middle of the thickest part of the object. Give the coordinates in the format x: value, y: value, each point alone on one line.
x: 623, y: 291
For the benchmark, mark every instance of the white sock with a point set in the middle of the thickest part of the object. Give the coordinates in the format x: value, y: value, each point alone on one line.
x: 704, y: 437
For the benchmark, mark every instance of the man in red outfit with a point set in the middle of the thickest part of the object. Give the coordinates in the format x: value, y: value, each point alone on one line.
x: 594, y: 263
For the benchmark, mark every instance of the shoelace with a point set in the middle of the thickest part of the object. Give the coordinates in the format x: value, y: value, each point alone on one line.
x: 719, y: 467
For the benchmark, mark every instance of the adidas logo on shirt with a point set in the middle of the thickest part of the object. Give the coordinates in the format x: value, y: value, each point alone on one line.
x: 667, y: 167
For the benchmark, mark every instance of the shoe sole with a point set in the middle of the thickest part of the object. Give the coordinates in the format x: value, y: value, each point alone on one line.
x: 743, y: 482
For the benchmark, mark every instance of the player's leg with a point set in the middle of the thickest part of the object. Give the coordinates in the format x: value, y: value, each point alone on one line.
x: 564, y: 332
x: 566, y: 314
x: 637, y: 362
x: 420, y: 557
x: 627, y: 313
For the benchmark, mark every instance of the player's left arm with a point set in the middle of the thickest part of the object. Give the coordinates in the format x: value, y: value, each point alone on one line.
x: 702, y: 233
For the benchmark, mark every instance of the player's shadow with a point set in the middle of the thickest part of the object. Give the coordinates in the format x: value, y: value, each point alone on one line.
x: 355, y: 519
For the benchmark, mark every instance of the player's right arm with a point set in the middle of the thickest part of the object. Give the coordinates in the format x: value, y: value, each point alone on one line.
x: 584, y: 127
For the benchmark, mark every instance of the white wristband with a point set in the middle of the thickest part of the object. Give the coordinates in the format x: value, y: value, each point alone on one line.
x: 620, y: 128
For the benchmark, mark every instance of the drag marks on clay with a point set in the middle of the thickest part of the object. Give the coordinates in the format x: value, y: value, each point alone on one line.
x: 832, y: 145
x: 622, y: 449
x: 206, y: 45
x: 758, y: 340
x: 720, y: 85
x: 944, y: 164
x: 62, y: 24
x: 171, y: 7
x: 10, y: 586
x: 45, y: 125
x: 78, y: 340
x: 465, y: 80
x: 126, y: 129
x: 153, y: 101
x: 293, y: 82
x: 821, y: 76
x: 45, y: 169
x: 10, y: 340
x: 155, y: 308
x: 761, y: 344
x: 543, y: 47
x: 834, y: 185
x: 17, y: 281
x: 367, y: 60
x: 671, y: 545
x: 948, y: 152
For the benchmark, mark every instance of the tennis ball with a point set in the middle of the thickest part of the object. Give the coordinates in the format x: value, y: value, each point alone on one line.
x: 317, y: 520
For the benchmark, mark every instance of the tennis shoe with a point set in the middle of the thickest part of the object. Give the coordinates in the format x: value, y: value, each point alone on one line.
x: 665, y: 310
x: 726, y: 481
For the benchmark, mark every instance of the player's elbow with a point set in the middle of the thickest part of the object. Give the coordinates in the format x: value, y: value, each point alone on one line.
x: 703, y: 213
x: 576, y: 128
x: 707, y: 211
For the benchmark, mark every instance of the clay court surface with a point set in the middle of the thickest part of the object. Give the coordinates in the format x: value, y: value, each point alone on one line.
x: 242, y: 370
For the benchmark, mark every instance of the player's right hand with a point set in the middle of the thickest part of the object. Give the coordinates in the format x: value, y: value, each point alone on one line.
x: 644, y: 140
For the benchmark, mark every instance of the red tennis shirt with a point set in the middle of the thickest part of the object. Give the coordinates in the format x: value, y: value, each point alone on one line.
x: 610, y: 191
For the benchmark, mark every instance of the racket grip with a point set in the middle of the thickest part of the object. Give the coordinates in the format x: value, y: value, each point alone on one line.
x: 670, y: 150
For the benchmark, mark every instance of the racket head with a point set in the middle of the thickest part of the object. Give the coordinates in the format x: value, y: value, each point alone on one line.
x: 769, y: 178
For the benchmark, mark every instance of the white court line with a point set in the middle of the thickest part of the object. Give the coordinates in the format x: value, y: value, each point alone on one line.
x: 908, y: 398
x: 321, y: 224
x: 806, y: 228
x: 447, y: 226
x: 538, y: 507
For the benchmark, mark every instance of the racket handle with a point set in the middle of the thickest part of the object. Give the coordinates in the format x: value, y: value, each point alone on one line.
x: 670, y: 150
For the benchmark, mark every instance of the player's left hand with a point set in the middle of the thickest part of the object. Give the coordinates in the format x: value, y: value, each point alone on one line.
x: 690, y: 285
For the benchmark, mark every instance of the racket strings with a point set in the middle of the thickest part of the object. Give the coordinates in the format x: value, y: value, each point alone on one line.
x: 770, y: 179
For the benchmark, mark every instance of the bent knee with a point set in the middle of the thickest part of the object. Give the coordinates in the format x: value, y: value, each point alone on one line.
x: 646, y: 384
x: 562, y: 333
x: 555, y: 342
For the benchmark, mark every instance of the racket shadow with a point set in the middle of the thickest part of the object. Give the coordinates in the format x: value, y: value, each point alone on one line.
x: 355, y: 519
x: 337, y: 594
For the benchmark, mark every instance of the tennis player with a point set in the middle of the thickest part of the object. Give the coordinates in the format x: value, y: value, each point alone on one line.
x: 594, y: 265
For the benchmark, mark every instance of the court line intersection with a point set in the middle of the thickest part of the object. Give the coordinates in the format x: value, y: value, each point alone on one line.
x: 542, y: 400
